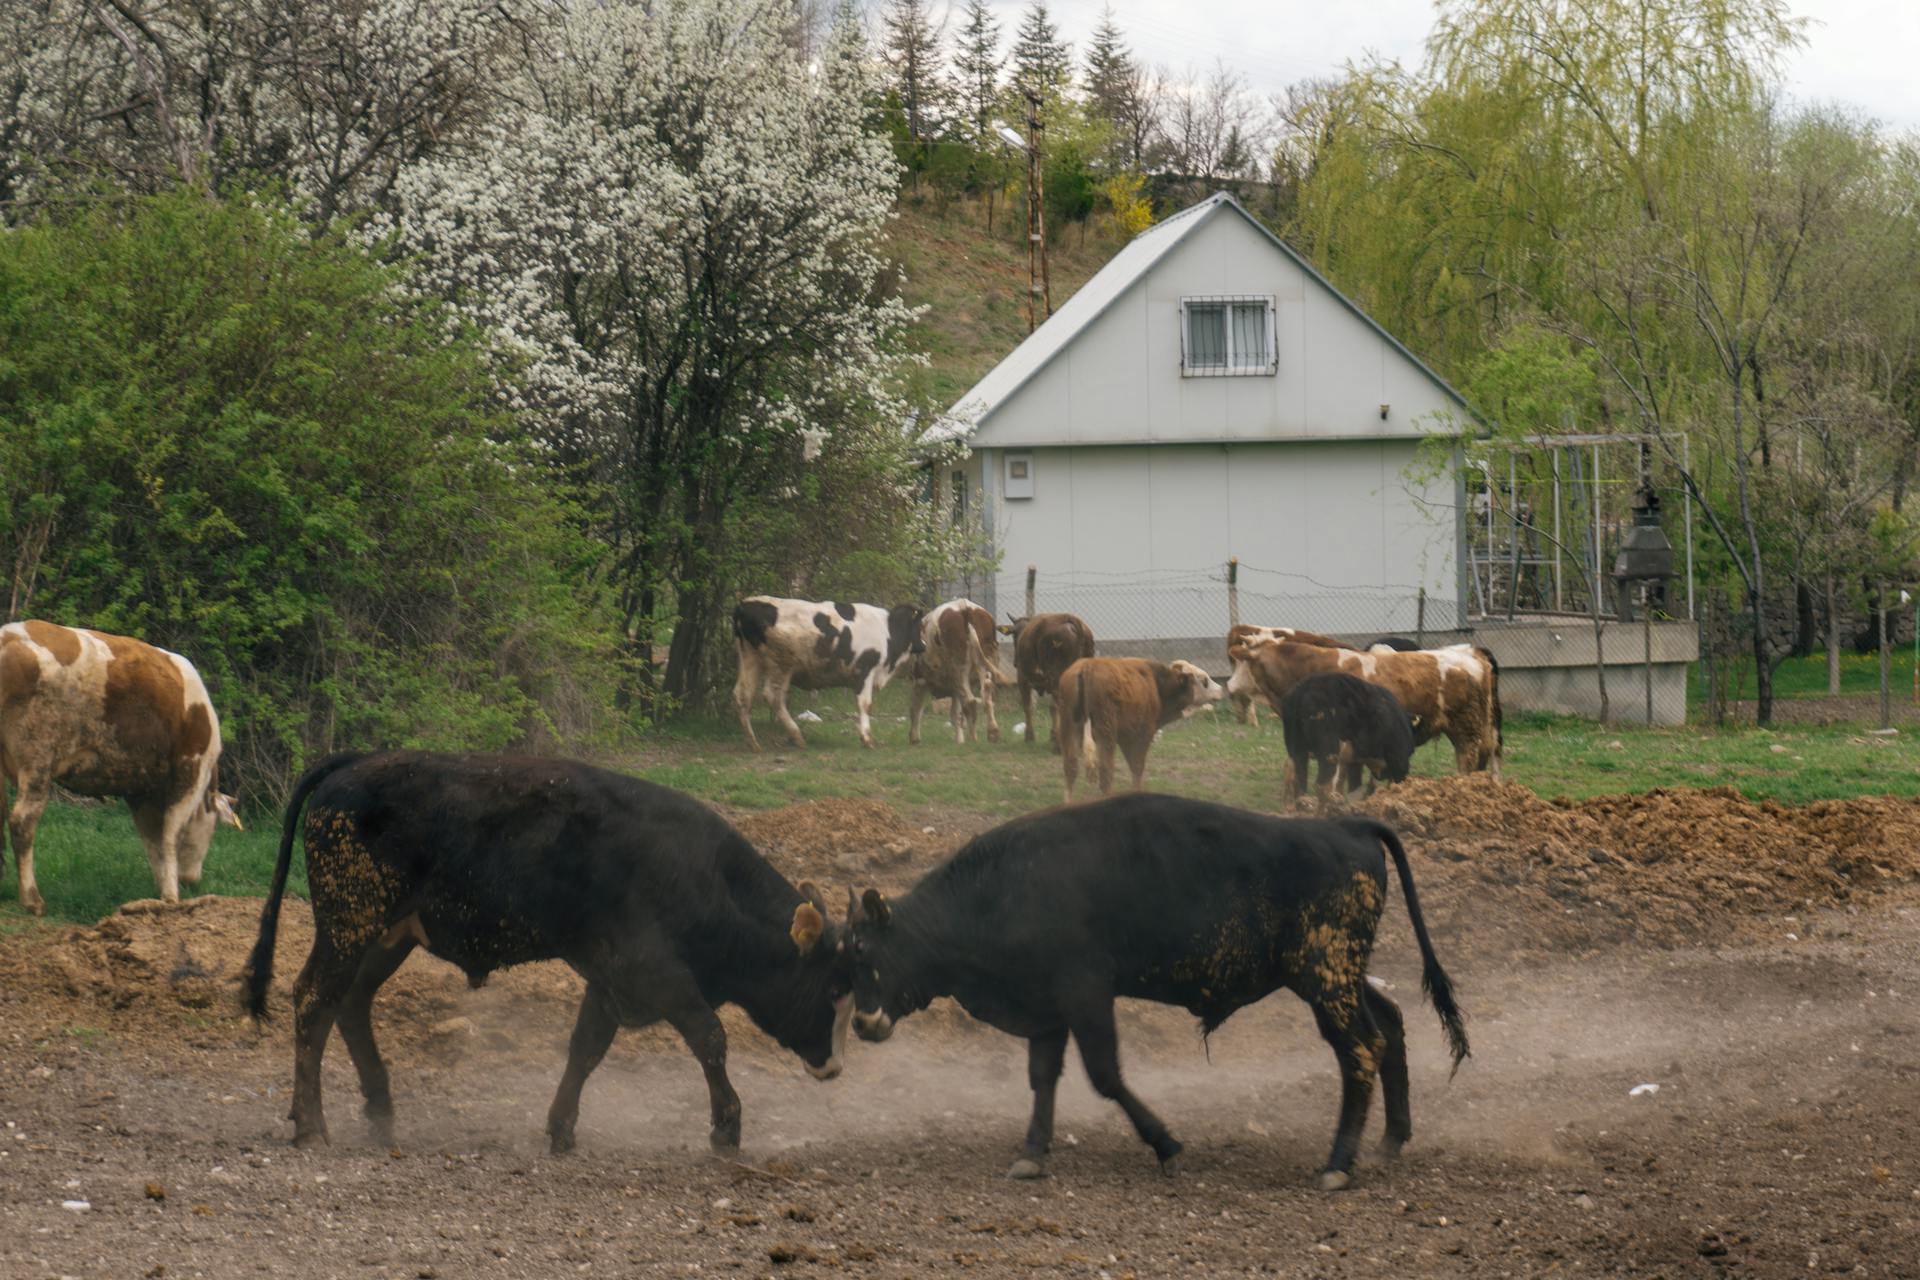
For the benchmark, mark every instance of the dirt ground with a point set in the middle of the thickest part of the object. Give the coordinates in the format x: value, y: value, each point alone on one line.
x: 1759, y: 965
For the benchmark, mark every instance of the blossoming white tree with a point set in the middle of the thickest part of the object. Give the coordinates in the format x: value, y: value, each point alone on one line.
x: 671, y: 226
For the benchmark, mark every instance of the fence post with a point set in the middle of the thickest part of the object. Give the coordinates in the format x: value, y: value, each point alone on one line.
x: 1032, y: 572
x: 1646, y: 615
x: 1886, y: 664
x: 1420, y: 620
x: 1233, y: 592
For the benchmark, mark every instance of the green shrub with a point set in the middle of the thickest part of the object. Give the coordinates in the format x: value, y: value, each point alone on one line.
x: 235, y: 438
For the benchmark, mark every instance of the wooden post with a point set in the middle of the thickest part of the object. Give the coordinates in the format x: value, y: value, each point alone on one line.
x: 1886, y: 664
x: 1420, y: 619
x: 1233, y: 592
x: 1032, y: 572
x: 1039, y: 281
x: 1646, y: 618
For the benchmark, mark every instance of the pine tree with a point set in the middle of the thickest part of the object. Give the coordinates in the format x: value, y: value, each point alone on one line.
x: 1110, y: 70
x: 976, y: 64
x: 912, y: 50
x: 1041, y: 59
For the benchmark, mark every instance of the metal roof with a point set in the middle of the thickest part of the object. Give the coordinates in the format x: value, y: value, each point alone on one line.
x: 1124, y: 270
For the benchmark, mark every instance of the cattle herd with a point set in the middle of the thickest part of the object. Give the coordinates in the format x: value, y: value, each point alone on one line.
x: 668, y: 913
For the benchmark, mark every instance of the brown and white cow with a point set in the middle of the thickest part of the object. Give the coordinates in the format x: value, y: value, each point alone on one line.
x: 1245, y: 705
x: 1044, y: 646
x: 107, y: 716
x: 817, y: 645
x: 1452, y: 691
x: 961, y: 663
x: 1107, y: 702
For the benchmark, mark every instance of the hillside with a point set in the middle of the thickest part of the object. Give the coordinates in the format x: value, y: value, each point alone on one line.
x: 973, y: 285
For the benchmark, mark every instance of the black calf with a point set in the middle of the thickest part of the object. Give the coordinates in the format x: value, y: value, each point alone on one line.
x: 1037, y: 926
x: 1345, y: 723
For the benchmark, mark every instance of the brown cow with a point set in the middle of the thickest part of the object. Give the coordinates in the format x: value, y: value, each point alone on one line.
x: 1245, y: 706
x: 1453, y: 691
x: 1044, y: 646
x: 107, y: 716
x: 1107, y: 702
x: 961, y: 662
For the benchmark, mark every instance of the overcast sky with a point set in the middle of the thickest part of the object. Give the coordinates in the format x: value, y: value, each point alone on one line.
x: 1861, y: 52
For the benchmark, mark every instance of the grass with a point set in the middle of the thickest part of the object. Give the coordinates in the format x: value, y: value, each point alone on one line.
x: 89, y: 859
x: 1807, y: 677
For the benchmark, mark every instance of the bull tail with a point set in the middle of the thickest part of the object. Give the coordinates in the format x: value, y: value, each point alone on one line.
x: 258, y: 976
x: 990, y: 661
x: 1499, y: 733
x: 1433, y: 979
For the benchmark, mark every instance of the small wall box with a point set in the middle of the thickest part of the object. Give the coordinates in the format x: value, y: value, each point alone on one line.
x: 1019, y: 475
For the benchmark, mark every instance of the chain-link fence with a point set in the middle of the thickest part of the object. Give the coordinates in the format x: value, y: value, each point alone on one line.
x: 1547, y: 661
x: 1169, y: 613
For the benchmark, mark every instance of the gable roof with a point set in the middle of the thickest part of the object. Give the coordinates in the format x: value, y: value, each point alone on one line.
x: 1108, y: 285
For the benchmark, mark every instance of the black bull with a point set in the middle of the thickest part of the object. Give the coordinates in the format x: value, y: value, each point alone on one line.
x: 1036, y: 926
x: 489, y: 861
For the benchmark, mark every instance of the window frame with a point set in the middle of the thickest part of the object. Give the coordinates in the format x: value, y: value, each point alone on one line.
x: 1226, y: 302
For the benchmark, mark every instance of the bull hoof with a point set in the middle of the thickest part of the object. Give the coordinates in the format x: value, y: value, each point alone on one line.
x: 1026, y: 1169
x: 559, y: 1142
x: 1390, y: 1147
x: 308, y: 1141
x: 35, y: 905
x: 1335, y: 1180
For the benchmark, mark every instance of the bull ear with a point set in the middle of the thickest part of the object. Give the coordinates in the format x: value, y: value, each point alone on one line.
x: 808, y: 925
x: 853, y: 905
x: 875, y: 904
x: 224, y: 811
x: 1004, y: 629
x: 811, y: 892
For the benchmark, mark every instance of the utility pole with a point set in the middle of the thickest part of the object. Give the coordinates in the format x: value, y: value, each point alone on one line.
x: 1039, y: 281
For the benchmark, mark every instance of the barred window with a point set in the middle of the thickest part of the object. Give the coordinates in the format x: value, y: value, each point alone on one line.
x: 1225, y: 336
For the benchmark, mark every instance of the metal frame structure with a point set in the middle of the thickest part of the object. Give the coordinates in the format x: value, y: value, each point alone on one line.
x: 1483, y: 563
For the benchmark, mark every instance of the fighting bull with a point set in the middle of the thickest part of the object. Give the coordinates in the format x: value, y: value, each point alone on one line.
x: 1039, y: 925
x: 488, y: 861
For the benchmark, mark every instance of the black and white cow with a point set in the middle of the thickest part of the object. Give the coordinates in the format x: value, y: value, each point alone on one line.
x: 1348, y: 725
x: 1036, y: 926
x: 817, y: 645
x: 489, y: 861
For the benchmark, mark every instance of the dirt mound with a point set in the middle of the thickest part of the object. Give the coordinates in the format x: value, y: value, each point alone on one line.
x: 837, y: 841
x: 1664, y: 867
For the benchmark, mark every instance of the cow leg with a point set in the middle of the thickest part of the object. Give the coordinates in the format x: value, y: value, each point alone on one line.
x: 1136, y: 750
x: 1069, y: 751
x: 1466, y: 752
x: 1103, y: 752
x: 1046, y: 1055
x: 1094, y: 1032
x: 863, y: 705
x: 700, y: 1027
x: 1393, y: 1069
x: 317, y: 994
x: 986, y: 699
x: 777, y: 687
x: 593, y: 1032
x: 1359, y: 1046
x: 1247, y: 709
x: 356, y: 1028
x: 915, y: 710
x: 1026, y: 707
x: 746, y: 685
x: 1293, y: 779
x: 160, y: 830
x: 29, y: 802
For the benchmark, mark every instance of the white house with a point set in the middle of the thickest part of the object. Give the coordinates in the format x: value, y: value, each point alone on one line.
x: 1208, y: 395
